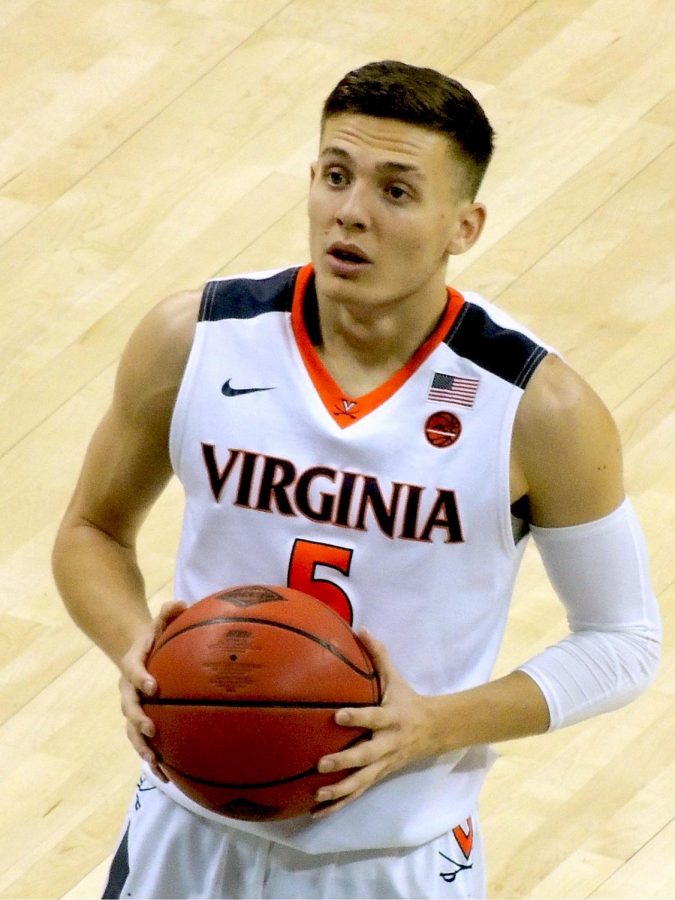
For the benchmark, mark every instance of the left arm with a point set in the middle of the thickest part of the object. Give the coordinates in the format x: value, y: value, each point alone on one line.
x: 592, y: 547
x: 566, y: 458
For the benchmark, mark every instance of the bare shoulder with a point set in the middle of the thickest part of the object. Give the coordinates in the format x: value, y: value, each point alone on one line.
x: 153, y: 362
x: 556, y: 392
x: 567, y: 448
x: 127, y: 461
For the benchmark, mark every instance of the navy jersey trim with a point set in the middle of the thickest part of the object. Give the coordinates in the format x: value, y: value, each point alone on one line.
x: 246, y: 298
x: 509, y: 354
x: 119, y: 869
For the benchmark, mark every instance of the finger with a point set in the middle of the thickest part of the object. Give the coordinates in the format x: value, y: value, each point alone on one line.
x: 145, y: 751
x: 170, y: 611
x: 363, y: 753
x: 133, y: 710
x: 335, y: 796
x: 140, y: 727
x: 380, y: 658
x: 376, y: 649
x: 372, y: 718
x: 132, y: 664
x: 135, y: 673
x: 139, y: 744
x: 325, y: 809
x: 352, y: 759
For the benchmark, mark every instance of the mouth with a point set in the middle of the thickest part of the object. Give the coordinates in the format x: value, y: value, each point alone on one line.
x: 347, y: 259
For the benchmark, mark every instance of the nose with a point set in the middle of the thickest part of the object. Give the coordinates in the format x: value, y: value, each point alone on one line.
x: 352, y: 211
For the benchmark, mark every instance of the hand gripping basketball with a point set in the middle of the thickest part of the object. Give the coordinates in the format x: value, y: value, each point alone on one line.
x: 401, y: 731
x: 135, y: 681
x: 249, y: 680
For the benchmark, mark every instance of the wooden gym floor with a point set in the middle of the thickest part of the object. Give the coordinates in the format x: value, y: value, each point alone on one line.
x: 146, y: 145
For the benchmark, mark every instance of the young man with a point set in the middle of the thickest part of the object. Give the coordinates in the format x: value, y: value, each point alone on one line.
x: 389, y: 443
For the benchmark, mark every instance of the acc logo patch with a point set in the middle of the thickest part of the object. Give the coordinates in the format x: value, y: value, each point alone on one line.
x: 442, y: 429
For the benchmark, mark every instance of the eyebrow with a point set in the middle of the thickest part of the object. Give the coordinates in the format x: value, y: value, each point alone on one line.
x: 389, y: 166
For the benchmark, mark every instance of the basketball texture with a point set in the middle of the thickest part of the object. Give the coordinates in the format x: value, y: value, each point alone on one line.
x: 249, y: 680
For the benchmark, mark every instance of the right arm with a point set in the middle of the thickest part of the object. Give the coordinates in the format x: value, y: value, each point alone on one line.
x: 126, y: 467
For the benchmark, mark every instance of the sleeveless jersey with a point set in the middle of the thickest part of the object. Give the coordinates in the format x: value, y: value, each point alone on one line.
x: 393, y: 507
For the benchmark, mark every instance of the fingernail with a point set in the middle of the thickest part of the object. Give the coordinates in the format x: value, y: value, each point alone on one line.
x: 326, y: 765
x: 147, y: 729
x: 148, y: 686
x: 342, y: 717
x: 323, y: 795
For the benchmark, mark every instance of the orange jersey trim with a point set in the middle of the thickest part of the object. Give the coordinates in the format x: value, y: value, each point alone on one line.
x: 345, y: 409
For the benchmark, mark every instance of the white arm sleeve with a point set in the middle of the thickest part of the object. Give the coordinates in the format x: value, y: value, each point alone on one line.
x: 600, y: 572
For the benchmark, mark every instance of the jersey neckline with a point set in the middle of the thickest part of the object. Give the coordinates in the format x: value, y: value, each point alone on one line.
x: 344, y: 409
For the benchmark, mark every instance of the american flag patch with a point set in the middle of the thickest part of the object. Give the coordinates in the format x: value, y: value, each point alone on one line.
x: 453, y: 389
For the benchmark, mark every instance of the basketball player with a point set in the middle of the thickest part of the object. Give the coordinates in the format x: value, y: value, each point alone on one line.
x: 355, y: 429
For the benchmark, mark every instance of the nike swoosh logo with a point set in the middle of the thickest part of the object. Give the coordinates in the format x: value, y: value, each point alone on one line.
x: 229, y: 391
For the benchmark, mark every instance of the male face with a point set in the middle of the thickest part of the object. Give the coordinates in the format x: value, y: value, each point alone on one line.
x: 387, y: 205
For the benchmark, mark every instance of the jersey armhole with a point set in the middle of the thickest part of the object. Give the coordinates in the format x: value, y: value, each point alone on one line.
x: 176, y: 427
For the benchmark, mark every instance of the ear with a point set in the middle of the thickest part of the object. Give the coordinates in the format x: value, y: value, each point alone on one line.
x: 467, y: 228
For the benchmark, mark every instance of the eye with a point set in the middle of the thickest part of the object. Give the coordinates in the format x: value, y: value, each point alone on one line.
x: 397, y: 192
x: 335, y: 177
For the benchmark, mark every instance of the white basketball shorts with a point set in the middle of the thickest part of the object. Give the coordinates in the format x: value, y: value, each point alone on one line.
x: 165, y: 851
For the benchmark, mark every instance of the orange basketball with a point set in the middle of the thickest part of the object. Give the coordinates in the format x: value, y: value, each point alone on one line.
x: 249, y: 680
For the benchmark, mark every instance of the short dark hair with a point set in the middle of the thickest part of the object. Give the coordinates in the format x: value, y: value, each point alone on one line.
x: 395, y: 90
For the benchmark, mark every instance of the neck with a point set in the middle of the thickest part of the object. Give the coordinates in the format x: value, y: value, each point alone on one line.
x: 362, y: 346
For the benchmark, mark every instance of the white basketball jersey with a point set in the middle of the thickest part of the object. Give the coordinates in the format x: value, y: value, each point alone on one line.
x: 392, y: 507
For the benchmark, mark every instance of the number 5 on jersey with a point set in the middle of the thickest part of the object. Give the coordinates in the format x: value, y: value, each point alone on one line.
x: 305, y: 557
